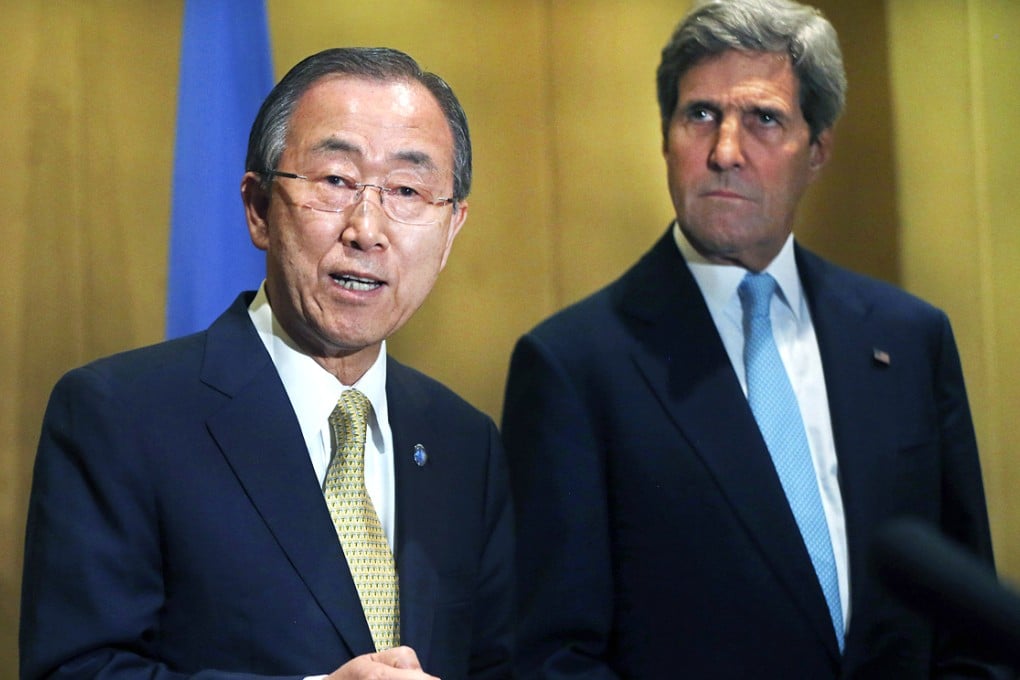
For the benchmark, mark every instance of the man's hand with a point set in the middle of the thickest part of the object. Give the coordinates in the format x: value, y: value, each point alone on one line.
x: 399, y: 663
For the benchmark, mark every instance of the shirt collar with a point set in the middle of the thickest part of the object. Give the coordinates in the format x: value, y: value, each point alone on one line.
x: 313, y: 391
x: 718, y: 282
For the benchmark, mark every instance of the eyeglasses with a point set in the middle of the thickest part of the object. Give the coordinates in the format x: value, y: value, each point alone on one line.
x: 403, y: 198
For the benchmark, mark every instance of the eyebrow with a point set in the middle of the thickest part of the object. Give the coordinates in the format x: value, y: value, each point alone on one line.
x: 755, y: 108
x: 336, y: 144
x: 419, y: 159
x: 688, y: 106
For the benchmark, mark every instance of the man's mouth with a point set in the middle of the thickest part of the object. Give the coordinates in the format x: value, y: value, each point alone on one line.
x: 723, y: 193
x: 356, y: 283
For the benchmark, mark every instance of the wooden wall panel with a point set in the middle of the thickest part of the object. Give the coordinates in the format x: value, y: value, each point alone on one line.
x: 569, y: 186
x: 954, y: 67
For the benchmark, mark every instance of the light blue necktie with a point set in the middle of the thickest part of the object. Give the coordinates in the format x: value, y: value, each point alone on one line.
x: 775, y: 408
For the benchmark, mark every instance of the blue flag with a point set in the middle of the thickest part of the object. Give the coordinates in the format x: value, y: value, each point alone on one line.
x: 226, y: 72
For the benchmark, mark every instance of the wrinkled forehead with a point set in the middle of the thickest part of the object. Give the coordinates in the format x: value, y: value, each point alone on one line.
x: 341, y: 155
x: 740, y: 74
x: 395, y: 123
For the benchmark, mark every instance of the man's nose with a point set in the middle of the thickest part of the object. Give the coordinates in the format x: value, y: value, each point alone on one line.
x: 727, y: 152
x: 366, y: 223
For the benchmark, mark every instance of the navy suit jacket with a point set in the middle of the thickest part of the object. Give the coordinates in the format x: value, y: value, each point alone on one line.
x: 176, y: 526
x: 654, y: 538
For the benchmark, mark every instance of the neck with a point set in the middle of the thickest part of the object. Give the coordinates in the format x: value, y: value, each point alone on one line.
x: 349, y: 368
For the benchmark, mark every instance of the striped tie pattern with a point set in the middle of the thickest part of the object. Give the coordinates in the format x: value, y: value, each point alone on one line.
x: 775, y: 408
x: 357, y: 523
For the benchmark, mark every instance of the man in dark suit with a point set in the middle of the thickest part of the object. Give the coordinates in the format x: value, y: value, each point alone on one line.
x: 702, y: 452
x: 276, y: 496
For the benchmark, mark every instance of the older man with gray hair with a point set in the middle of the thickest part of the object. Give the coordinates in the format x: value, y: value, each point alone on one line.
x: 277, y: 496
x: 702, y: 452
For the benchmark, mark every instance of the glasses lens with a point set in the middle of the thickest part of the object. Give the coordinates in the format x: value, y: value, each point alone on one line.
x: 408, y: 204
x: 406, y: 199
x: 332, y: 193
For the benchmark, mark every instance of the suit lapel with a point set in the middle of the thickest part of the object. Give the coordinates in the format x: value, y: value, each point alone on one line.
x: 682, y: 359
x: 259, y: 435
x: 416, y: 492
x: 848, y: 340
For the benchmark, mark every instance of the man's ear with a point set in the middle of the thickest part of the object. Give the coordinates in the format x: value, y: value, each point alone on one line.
x: 456, y: 222
x: 256, y: 206
x: 821, y: 152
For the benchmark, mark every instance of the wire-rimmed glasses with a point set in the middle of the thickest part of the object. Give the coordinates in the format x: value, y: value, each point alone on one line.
x: 403, y: 196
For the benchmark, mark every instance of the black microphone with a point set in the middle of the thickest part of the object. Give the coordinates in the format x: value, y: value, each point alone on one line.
x: 941, y: 579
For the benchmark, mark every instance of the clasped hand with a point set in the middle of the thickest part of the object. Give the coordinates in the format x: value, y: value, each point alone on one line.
x: 399, y: 663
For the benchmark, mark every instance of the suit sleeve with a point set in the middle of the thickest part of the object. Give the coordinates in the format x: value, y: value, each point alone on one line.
x: 557, y: 474
x: 964, y: 514
x: 92, y: 587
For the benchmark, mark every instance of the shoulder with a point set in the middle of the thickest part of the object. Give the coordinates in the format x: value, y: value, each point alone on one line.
x: 136, y: 372
x: 117, y: 409
x: 406, y: 385
x: 226, y: 353
x: 655, y: 287
x: 581, y: 318
x: 882, y: 301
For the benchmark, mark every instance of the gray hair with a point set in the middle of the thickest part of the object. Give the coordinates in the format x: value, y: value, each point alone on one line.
x: 268, y: 135
x: 716, y: 26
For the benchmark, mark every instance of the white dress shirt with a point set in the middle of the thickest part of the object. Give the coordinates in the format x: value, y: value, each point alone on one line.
x: 795, y: 338
x: 314, y: 392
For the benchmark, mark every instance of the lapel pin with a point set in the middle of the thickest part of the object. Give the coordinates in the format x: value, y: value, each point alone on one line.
x: 880, y: 356
x: 420, y: 456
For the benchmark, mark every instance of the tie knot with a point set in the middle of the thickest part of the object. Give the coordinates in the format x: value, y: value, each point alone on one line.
x: 355, y: 402
x: 350, y: 414
x: 756, y: 291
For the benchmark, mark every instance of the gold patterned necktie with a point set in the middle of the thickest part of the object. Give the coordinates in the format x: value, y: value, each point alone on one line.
x: 357, y: 523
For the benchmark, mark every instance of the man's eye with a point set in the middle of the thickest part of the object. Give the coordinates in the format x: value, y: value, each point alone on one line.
x: 700, y: 114
x: 338, y: 181
x: 404, y: 192
x: 766, y: 118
